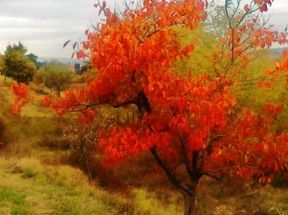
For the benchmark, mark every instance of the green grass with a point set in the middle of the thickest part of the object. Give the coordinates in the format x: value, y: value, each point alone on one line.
x: 11, y: 202
x: 49, y: 190
x: 28, y: 187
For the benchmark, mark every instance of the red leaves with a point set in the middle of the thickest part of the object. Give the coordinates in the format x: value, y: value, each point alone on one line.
x: 263, y: 8
x: 123, y: 142
x: 283, y: 64
x: 21, y: 93
x: 72, y: 100
x: 197, y: 141
x: 263, y: 4
x: 80, y: 55
x: 273, y: 110
x: 46, y: 101
x: 265, y: 84
x: 20, y: 90
x: 87, y: 116
x: 188, y: 49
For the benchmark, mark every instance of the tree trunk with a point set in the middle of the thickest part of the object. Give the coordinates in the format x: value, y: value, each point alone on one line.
x: 189, y: 203
x: 58, y: 92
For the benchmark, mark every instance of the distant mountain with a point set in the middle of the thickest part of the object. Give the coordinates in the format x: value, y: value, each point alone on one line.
x: 275, y: 52
x: 62, y: 60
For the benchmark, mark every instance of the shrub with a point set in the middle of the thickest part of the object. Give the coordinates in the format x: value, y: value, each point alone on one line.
x: 54, y: 76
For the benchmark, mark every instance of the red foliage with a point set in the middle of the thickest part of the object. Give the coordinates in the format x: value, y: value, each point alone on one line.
x: 263, y: 4
x: 21, y: 93
x: 188, y: 121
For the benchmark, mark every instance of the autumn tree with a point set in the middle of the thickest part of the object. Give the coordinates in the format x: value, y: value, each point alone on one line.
x: 184, y: 120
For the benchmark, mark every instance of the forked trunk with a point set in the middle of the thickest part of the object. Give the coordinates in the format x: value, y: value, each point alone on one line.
x: 189, y: 203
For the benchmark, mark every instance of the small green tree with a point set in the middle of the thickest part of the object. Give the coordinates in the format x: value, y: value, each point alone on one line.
x: 55, y: 76
x: 18, y: 66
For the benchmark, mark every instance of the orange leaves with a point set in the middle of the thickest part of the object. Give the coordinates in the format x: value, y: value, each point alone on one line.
x: 80, y: 54
x: 187, y: 49
x: 249, y: 149
x: 20, y: 90
x: 197, y: 140
x: 143, y: 38
x: 46, y: 101
x: 281, y: 68
x: 72, y: 100
x: 179, y: 124
x: 124, y: 142
x: 21, y: 93
x: 248, y: 34
x: 265, y: 84
x: 282, y: 65
x: 264, y: 37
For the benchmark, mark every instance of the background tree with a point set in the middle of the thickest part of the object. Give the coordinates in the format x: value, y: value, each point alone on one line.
x: 252, y: 59
x: 77, y: 68
x: 241, y: 28
x: 54, y: 76
x: 18, y: 66
x: 16, y: 47
x: 34, y: 59
x: 2, y: 65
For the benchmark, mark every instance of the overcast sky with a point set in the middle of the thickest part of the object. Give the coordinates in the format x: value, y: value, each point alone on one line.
x: 44, y: 25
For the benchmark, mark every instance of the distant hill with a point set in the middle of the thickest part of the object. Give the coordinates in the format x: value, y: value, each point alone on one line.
x: 66, y: 61
x: 277, y: 52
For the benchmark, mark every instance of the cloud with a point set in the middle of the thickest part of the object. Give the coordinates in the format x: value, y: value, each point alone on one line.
x: 44, y: 25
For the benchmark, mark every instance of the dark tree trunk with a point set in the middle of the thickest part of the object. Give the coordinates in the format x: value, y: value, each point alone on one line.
x: 189, y: 203
x: 187, y: 190
x: 58, y: 92
x: 86, y: 159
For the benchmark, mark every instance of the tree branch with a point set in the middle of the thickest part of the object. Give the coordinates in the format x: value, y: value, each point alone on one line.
x: 186, y: 158
x: 169, y: 173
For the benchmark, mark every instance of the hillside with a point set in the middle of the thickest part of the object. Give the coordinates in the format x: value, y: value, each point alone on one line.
x: 34, y: 180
